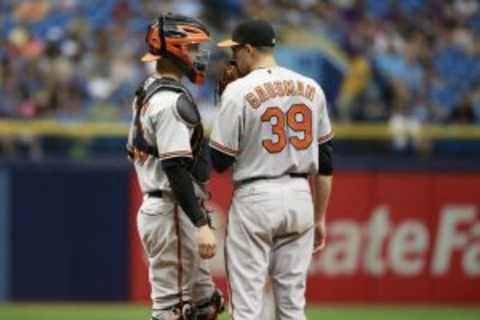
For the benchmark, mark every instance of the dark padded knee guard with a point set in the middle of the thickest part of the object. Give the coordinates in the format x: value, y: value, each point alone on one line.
x: 211, y: 309
x: 189, y: 313
x: 179, y: 312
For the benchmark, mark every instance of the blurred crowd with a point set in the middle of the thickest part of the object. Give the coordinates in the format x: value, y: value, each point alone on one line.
x: 79, y: 59
x: 418, y: 59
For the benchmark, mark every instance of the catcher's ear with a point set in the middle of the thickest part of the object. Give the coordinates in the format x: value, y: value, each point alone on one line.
x: 249, y: 48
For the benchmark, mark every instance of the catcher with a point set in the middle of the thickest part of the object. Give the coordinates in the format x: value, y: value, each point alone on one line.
x: 166, y: 145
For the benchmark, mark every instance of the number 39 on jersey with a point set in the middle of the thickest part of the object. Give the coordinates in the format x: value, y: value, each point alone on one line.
x: 298, y: 119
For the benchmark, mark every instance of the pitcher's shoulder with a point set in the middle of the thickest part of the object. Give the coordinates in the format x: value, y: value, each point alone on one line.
x: 298, y: 76
x: 236, y: 88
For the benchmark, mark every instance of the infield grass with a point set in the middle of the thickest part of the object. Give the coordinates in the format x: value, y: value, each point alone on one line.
x: 87, y: 311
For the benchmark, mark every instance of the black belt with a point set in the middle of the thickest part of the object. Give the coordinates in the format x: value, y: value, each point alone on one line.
x: 293, y: 175
x: 155, y: 193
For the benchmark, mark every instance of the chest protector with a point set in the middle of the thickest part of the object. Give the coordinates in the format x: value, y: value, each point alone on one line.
x: 200, y: 164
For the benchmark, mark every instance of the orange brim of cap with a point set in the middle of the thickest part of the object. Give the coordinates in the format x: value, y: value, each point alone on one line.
x: 227, y: 44
x: 150, y: 57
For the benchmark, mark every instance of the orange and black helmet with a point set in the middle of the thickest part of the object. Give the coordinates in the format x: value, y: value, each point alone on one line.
x: 170, y: 36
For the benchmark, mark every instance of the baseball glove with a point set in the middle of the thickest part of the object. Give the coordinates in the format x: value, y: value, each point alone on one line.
x: 230, y: 74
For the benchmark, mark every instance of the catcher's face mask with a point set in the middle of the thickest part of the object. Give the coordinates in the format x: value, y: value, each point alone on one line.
x: 200, y: 55
x: 172, y: 36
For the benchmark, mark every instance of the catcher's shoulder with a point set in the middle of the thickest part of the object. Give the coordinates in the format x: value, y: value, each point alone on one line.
x: 164, y: 99
x: 161, y: 105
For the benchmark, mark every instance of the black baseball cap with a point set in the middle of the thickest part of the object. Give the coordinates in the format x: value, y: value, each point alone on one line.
x: 257, y: 33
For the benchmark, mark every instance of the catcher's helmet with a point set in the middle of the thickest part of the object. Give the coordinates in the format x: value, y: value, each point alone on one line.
x: 170, y: 36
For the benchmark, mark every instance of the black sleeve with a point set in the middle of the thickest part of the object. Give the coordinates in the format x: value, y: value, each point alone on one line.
x: 182, y: 188
x: 325, y: 163
x: 220, y: 160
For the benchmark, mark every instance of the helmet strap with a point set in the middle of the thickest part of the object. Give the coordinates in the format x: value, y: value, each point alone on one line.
x: 163, y: 45
x: 189, y: 72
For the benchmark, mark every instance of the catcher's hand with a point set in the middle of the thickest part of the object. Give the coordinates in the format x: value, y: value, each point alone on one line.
x: 207, y: 244
x: 230, y: 74
x: 133, y: 154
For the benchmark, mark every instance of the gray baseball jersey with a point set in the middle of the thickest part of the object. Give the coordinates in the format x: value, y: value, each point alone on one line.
x: 271, y: 121
x: 176, y: 271
x: 164, y: 128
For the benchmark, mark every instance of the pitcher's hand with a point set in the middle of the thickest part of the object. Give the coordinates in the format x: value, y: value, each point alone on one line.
x: 320, y: 237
